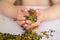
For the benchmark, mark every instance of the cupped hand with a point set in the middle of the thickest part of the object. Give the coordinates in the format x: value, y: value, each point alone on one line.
x: 21, y: 20
x: 31, y: 24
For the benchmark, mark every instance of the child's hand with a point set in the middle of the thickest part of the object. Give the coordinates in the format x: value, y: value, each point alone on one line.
x: 34, y: 24
x: 27, y: 23
x: 20, y: 17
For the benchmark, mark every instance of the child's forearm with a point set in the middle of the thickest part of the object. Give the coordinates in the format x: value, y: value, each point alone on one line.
x: 52, y: 12
x: 10, y: 12
x: 8, y: 9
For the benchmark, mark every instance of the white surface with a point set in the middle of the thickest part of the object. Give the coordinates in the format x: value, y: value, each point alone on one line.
x: 7, y: 25
x: 48, y: 25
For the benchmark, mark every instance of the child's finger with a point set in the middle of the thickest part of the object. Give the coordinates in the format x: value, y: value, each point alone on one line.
x: 22, y: 11
x: 36, y: 24
x: 21, y: 18
x: 25, y: 11
x: 25, y: 25
x: 20, y: 22
x: 38, y: 12
x: 28, y: 22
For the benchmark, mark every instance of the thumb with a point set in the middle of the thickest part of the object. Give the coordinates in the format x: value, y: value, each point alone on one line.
x: 25, y: 11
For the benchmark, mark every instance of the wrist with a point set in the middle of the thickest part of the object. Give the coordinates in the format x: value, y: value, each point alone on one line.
x: 44, y: 15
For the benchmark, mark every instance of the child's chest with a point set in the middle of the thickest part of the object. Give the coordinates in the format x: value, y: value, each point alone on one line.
x: 35, y: 2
